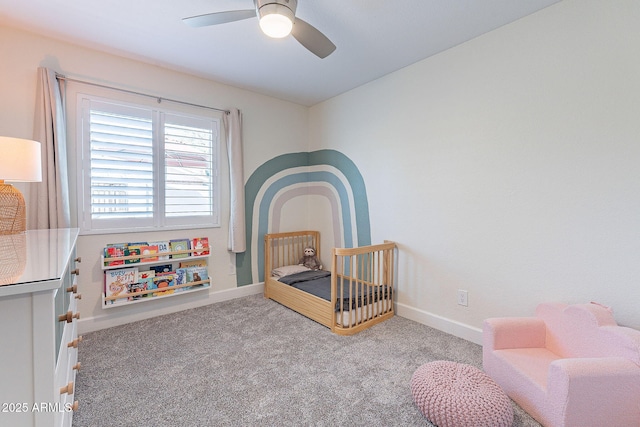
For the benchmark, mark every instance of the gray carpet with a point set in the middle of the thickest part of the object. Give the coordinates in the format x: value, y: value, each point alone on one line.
x: 253, y: 362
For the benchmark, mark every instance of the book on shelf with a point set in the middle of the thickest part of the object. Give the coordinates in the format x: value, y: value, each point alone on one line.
x: 193, y: 263
x: 181, y: 276
x: 146, y: 278
x: 179, y: 245
x: 200, y: 245
x: 133, y: 248
x: 163, y: 246
x: 113, y: 251
x: 136, y: 287
x: 116, y: 283
x: 197, y: 274
x: 162, y: 282
x: 149, y: 250
x: 147, y: 274
x: 181, y: 279
x: 163, y: 268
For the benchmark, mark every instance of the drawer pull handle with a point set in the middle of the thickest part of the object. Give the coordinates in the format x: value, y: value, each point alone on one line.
x: 73, y: 289
x: 79, y: 296
x: 67, y: 389
x: 76, y: 271
x: 75, y: 342
x: 68, y: 317
x: 79, y: 259
x: 77, y: 366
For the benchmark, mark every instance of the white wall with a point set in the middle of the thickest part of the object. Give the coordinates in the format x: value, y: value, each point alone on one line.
x: 507, y: 166
x: 271, y: 127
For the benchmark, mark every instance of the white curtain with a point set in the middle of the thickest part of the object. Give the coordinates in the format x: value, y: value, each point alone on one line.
x: 237, y: 230
x: 48, y: 201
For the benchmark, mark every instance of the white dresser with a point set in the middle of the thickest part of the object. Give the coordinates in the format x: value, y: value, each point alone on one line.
x: 38, y: 338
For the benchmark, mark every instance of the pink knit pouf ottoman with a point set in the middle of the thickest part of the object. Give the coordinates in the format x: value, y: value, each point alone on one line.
x: 453, y: 394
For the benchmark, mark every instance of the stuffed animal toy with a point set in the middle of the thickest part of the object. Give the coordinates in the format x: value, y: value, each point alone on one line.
x: 310, y: 260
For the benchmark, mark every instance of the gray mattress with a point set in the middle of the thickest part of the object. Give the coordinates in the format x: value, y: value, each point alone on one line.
x: 318, y: 283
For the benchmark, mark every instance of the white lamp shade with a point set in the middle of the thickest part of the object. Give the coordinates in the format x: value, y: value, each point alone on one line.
x: 20, y: 160
x: 276, y: 20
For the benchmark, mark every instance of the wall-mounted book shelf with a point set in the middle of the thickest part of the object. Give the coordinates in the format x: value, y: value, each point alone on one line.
x: 139, y: 272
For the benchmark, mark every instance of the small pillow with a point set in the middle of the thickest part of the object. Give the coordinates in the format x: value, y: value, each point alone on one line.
x: 288, y: 269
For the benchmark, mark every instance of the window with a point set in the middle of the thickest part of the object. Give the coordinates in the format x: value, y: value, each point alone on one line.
x: 144, y: 168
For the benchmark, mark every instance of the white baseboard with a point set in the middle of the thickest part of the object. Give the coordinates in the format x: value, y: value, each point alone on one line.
x: 449, y: 326
x: 113, y: 318
x: 119, y: 316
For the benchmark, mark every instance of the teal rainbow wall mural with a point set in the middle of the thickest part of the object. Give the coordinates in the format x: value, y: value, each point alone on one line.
x: 324, y: 173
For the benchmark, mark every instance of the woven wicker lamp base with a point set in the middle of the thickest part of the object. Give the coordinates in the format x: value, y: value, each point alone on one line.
x: 13, y: 257
x: 12, y: 210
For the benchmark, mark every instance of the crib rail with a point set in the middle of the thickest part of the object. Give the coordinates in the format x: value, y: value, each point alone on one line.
x: 365, y: 278
x: 286, y: 248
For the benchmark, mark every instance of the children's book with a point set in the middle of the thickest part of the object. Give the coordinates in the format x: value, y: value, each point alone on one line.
x: 163, y: 282
x: 117, y: 282
x: 112, y: 251
x: 136, y: 287
x: 197, y: 274
x: 162, y: 247
x: 149, y: 250
x: 146, y: 278
x: 147, y: 274
x: 159, y: 269
x: 200, y: 246
x: 193, y: 263
x: 179, y: 245
x: 181, y: 276
x: 132, y: 250
x: 181, y: 279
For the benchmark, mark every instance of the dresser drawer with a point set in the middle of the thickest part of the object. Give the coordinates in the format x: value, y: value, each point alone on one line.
x: 66, y: 367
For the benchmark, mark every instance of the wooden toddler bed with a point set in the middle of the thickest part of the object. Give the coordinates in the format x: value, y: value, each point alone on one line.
x: 355, y: 294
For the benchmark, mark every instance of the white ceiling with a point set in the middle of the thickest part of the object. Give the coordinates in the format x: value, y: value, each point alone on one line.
x: 373, y: 37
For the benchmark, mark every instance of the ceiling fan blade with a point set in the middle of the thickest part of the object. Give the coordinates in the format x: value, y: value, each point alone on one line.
x: 219, y: 17
x: 312, y: 39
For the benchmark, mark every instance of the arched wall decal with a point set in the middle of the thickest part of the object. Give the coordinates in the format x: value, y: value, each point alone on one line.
x: 316, y: 190
x: 289, y: 180
x: 280, y: 165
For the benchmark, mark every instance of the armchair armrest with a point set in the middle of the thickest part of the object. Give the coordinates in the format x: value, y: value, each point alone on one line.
x: 578, y: 383
x: 513, y: 332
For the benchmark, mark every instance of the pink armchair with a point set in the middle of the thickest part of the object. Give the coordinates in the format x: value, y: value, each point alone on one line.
x: 570, y: 366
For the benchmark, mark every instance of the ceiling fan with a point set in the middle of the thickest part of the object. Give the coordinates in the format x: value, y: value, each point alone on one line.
x: 277, y: 19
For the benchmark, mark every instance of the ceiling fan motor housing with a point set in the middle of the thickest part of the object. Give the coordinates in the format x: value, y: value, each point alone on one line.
x: 283, y: 7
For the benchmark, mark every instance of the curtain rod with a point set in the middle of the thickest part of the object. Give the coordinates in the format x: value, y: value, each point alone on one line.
x: 159, y: 98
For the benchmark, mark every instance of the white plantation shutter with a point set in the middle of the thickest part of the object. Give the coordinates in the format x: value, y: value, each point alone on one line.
x: 121, y: 166
x: 146, y: 169
x: 188, y: 157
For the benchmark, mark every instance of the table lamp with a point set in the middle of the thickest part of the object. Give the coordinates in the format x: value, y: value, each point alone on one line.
x: 20, y: 160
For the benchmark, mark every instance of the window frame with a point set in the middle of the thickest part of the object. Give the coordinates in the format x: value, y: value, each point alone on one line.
x: 159, y: 221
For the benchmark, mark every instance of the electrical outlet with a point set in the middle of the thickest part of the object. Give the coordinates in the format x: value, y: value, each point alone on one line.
x: 463, y: 298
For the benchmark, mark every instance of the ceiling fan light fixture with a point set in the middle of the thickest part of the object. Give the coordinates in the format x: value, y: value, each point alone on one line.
x: 276, y: 20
